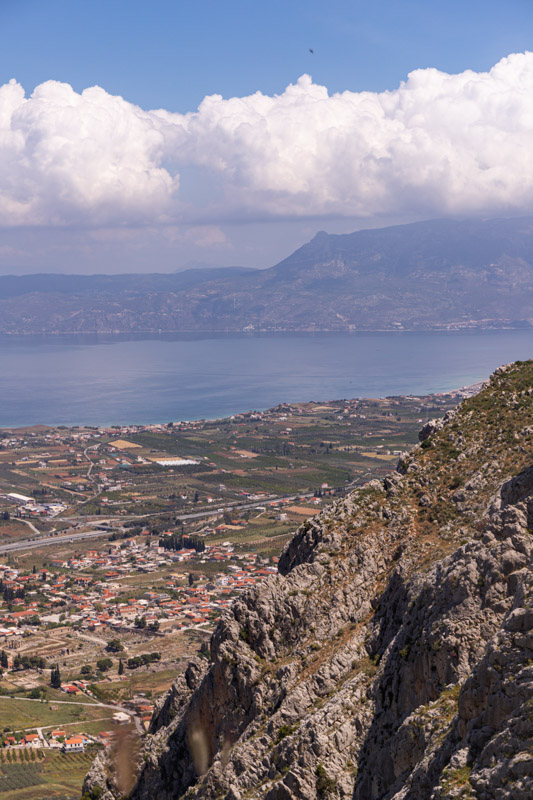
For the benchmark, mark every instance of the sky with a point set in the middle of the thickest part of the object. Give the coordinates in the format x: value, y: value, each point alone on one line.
x: 141, y: 137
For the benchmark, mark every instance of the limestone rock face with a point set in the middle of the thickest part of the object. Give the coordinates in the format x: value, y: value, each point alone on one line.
x: 434, y: 425
x: 391, y: 658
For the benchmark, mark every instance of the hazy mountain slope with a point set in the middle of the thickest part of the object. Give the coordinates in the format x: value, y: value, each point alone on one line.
x: 114, y: 285
x: 426, y: 275
x: 392, y: 656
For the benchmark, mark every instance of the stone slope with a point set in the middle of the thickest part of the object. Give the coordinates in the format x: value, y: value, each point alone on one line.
x: 392, y: 656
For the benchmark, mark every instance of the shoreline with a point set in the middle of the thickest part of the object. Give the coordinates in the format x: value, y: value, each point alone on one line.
x: 281, y: 331
x: 67, y: 381
x: 461, y: 392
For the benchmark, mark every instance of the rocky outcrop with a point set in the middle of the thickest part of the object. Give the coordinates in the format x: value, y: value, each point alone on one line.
x: 392, y: 656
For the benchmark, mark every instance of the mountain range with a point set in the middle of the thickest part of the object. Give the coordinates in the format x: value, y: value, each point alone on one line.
x: 437, y: 274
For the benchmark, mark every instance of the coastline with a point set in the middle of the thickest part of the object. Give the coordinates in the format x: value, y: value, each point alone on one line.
x: 459, y: 393
x: 67, y: 380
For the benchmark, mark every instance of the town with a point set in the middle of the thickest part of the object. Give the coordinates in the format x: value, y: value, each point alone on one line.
x: 121, y: 547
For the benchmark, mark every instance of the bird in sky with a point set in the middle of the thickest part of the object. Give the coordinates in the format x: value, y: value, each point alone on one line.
x: 311, y: 51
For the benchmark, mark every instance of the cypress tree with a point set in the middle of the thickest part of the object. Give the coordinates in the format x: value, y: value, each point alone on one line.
x: 55, y: 677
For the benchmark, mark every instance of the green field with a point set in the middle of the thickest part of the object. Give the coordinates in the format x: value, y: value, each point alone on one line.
x: 17, y: 714
x: 154, y: 683
x: 55, y: 776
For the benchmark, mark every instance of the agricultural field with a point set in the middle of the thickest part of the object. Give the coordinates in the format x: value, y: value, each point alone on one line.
x: 51, y: 776
x: 152, y: 684
x: 23, y: 714
x: 162, y: 472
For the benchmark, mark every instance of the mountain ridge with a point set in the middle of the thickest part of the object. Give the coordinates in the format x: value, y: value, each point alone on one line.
x: 431, y: 275
x: 391, y: 656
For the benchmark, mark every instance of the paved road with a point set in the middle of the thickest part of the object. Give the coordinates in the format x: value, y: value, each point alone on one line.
x: 44, y: 541
x: 30, y: 544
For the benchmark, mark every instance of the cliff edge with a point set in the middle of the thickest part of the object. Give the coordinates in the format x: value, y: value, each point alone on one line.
x: 391, y: 658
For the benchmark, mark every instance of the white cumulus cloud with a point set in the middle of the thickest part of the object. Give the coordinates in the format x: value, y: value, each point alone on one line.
x: 438, y: 144
x: 79, y: 158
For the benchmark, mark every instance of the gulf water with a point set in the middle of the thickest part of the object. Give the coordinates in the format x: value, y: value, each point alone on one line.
x: 118, y: 380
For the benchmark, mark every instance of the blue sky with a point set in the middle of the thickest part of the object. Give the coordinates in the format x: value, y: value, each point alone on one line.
x: 171, y: 53
x: 225, y: 186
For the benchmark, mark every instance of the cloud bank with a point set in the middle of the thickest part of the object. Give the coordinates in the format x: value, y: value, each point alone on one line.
x: 438, y: 144
x: 90, y: 158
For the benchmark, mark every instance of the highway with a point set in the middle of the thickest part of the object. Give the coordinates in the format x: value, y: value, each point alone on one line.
x: 29, y: 544
x: 44, y: 541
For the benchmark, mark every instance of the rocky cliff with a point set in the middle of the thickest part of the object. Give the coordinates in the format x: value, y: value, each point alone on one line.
x: 392, y: 656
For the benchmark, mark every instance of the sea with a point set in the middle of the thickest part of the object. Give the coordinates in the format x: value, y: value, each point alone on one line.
x: 120, y: 380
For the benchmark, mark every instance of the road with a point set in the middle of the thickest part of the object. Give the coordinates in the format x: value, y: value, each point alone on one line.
x: 91, y: 463
x: 30, y: 525
x: 72, y: 703
x: 44, y: 541
x: 91, y: 639
x: 62, y: 702
x: 30, y: 544
x: 89, y: 477
x: 135, y: 719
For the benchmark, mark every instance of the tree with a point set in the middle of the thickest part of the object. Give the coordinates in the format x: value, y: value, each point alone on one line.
x: 115, y: 646
x: 55, y: 677
x: 33, y: 620
x: 103, y: 664
x: 191, y: 579
x: 140, y: 622
x: 120, y: 667
x: 3, y: 659
x: 86, y: 669
x: 154, y: 626
x: 196, y: 497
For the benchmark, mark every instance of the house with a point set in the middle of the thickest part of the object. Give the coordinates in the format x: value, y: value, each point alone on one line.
x: 121, y: 718
x: 69, y: 688
x: 31, y: 740
x: 73, y: 745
